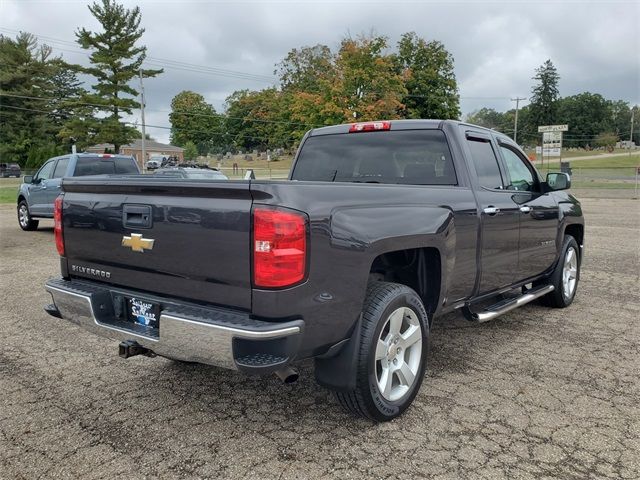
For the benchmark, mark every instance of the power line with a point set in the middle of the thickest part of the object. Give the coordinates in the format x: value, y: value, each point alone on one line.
x: 178, y: 112
x: 161, y: 62
x: 162, y: 127
x: 216, y: 71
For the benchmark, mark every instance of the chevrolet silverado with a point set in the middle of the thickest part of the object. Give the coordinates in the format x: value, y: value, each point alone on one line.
x: 380, y: 228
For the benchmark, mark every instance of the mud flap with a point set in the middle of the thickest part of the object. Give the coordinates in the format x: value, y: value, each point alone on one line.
x: 338, y: 372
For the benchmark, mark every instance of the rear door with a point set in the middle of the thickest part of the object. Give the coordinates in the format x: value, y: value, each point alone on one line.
x: 499, y: 216
x: 54, y: 183
x: 539, y: 213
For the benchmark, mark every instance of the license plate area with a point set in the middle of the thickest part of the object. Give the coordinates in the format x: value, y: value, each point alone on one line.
x: 145, y: 315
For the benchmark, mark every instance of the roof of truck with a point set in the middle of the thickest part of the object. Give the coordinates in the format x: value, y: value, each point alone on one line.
x: 410, y: 124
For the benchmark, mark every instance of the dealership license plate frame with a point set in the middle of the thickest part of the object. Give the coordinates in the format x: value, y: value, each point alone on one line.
x: 143, y: 313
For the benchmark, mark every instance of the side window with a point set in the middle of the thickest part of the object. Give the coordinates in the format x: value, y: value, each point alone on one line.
x: 46, y: 171
x: 520, y: 176
x: 61, y: 168
x: 486, y: 163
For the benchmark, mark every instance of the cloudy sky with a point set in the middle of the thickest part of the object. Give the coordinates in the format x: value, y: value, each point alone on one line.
x: 216, y: 47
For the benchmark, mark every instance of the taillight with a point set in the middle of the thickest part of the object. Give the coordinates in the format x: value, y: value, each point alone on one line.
x: 57, y: 225
x: 369, y: 126
x: 279, y: 247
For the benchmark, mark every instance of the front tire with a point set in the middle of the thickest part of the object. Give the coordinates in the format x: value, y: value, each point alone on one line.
x: 392, y: 355
x: 24, y: 217
x: 565, y: 277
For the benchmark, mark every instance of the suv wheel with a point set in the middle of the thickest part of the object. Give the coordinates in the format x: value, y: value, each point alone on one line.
x: 392, y: 354
x: 24, y: 217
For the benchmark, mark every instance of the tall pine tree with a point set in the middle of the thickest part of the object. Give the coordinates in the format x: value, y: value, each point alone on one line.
x: 115, y: 61
x: 544, y: 105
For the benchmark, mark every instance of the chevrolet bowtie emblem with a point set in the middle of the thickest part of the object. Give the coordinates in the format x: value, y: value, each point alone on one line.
x: 137, y: 243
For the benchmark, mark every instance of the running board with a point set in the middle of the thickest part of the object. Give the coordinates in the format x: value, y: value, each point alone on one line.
x: 505, y: 306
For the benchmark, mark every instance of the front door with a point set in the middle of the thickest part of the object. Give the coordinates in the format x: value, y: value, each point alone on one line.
x: 499, y: 217
x: 539, y: 214
x: 38, y: 190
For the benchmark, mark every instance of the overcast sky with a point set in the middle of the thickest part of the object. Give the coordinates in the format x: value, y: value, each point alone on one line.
x: 496, y: 45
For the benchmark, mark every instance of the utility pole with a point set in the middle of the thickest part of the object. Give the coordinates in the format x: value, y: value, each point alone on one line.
x: 633, y: 112
x: 144, y: 133
x: 515, y: 128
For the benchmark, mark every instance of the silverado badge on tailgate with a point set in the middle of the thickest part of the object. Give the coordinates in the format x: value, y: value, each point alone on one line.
x: 137, y: 243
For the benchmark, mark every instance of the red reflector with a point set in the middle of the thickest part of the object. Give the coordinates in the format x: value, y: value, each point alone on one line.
x: 279, y: 247
x: 57, y: 225
x: 369, y: 126
x: 106, y: 155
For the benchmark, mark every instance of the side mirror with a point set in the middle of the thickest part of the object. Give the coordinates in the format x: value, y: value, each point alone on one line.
x: 558, y: 181
x: 27, y: 179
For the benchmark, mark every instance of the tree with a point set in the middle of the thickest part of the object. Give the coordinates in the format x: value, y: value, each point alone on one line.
x: 115, y: 61
x: 309, y: 69
x: 367, y: 86
x: 31, y: 82
x: 487, y: 117
x: 190, y: 151
x: 587, y: 115
x: 606, y: 139
x: 545, y: 94
x: 257, y: 120
x: 427, y: 69
x: 194, y: 120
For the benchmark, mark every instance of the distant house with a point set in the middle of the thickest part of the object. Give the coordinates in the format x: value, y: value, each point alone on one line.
x: 135, y: 148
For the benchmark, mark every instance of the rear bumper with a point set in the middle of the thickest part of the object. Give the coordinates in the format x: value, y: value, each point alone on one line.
x: 214, y: 336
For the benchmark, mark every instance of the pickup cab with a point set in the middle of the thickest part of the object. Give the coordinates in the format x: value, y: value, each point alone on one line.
x: 380, y: 228
x: 38, y: 192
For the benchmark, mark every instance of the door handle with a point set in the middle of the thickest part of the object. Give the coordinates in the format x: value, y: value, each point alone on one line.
x: 491, y: 210
x: 525, y: 209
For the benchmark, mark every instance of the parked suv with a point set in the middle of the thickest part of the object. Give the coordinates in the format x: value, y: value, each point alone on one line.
x: 10, y: 170
x: 38, y: 192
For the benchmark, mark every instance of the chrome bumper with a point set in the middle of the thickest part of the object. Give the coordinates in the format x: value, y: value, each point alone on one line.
x: 194, y: 334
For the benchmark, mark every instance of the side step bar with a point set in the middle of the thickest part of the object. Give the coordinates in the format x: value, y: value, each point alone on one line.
x: 505, y: 306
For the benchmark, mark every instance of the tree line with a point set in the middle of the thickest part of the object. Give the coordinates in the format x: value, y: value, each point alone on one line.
x: 593, y: 120
x: 362, y: 80
x: 44, y: 107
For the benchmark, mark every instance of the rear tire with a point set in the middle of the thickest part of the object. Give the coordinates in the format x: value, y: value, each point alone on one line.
x: 391, y: 360
x: 24, y: 217
x: 565, y: 277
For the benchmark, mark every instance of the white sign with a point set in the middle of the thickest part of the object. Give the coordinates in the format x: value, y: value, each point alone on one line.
x: 551, y: 152
x: 553, y: 128
x: 552, y: 143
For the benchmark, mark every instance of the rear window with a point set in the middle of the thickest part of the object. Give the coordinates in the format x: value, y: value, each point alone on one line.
x: 104, y: 165
x: 415, y: 157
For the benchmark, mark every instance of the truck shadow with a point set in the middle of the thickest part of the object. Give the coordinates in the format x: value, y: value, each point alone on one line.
x: 457, y: 347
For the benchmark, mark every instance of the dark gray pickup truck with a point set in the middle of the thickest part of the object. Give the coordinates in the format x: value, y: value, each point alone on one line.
x: 381, y: 227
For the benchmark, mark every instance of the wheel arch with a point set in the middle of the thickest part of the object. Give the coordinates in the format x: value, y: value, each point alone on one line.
x: 419, y: 268
x: 576, y: 230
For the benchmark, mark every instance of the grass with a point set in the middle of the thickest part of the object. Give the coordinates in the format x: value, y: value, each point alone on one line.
x: 9, y: 189
x: 625, y: 161
x: 584, y: 153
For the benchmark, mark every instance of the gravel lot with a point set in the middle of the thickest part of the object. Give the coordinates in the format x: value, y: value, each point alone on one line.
x: 538, y: 393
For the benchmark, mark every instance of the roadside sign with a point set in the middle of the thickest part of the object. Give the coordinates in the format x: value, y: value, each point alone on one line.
x: 553, y: 128
x: 552, y: 143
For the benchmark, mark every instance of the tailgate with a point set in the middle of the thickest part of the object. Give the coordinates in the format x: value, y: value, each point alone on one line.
x: 187, y: 239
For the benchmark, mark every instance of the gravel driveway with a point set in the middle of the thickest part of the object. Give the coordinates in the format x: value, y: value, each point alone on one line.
x: 538, y: 393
